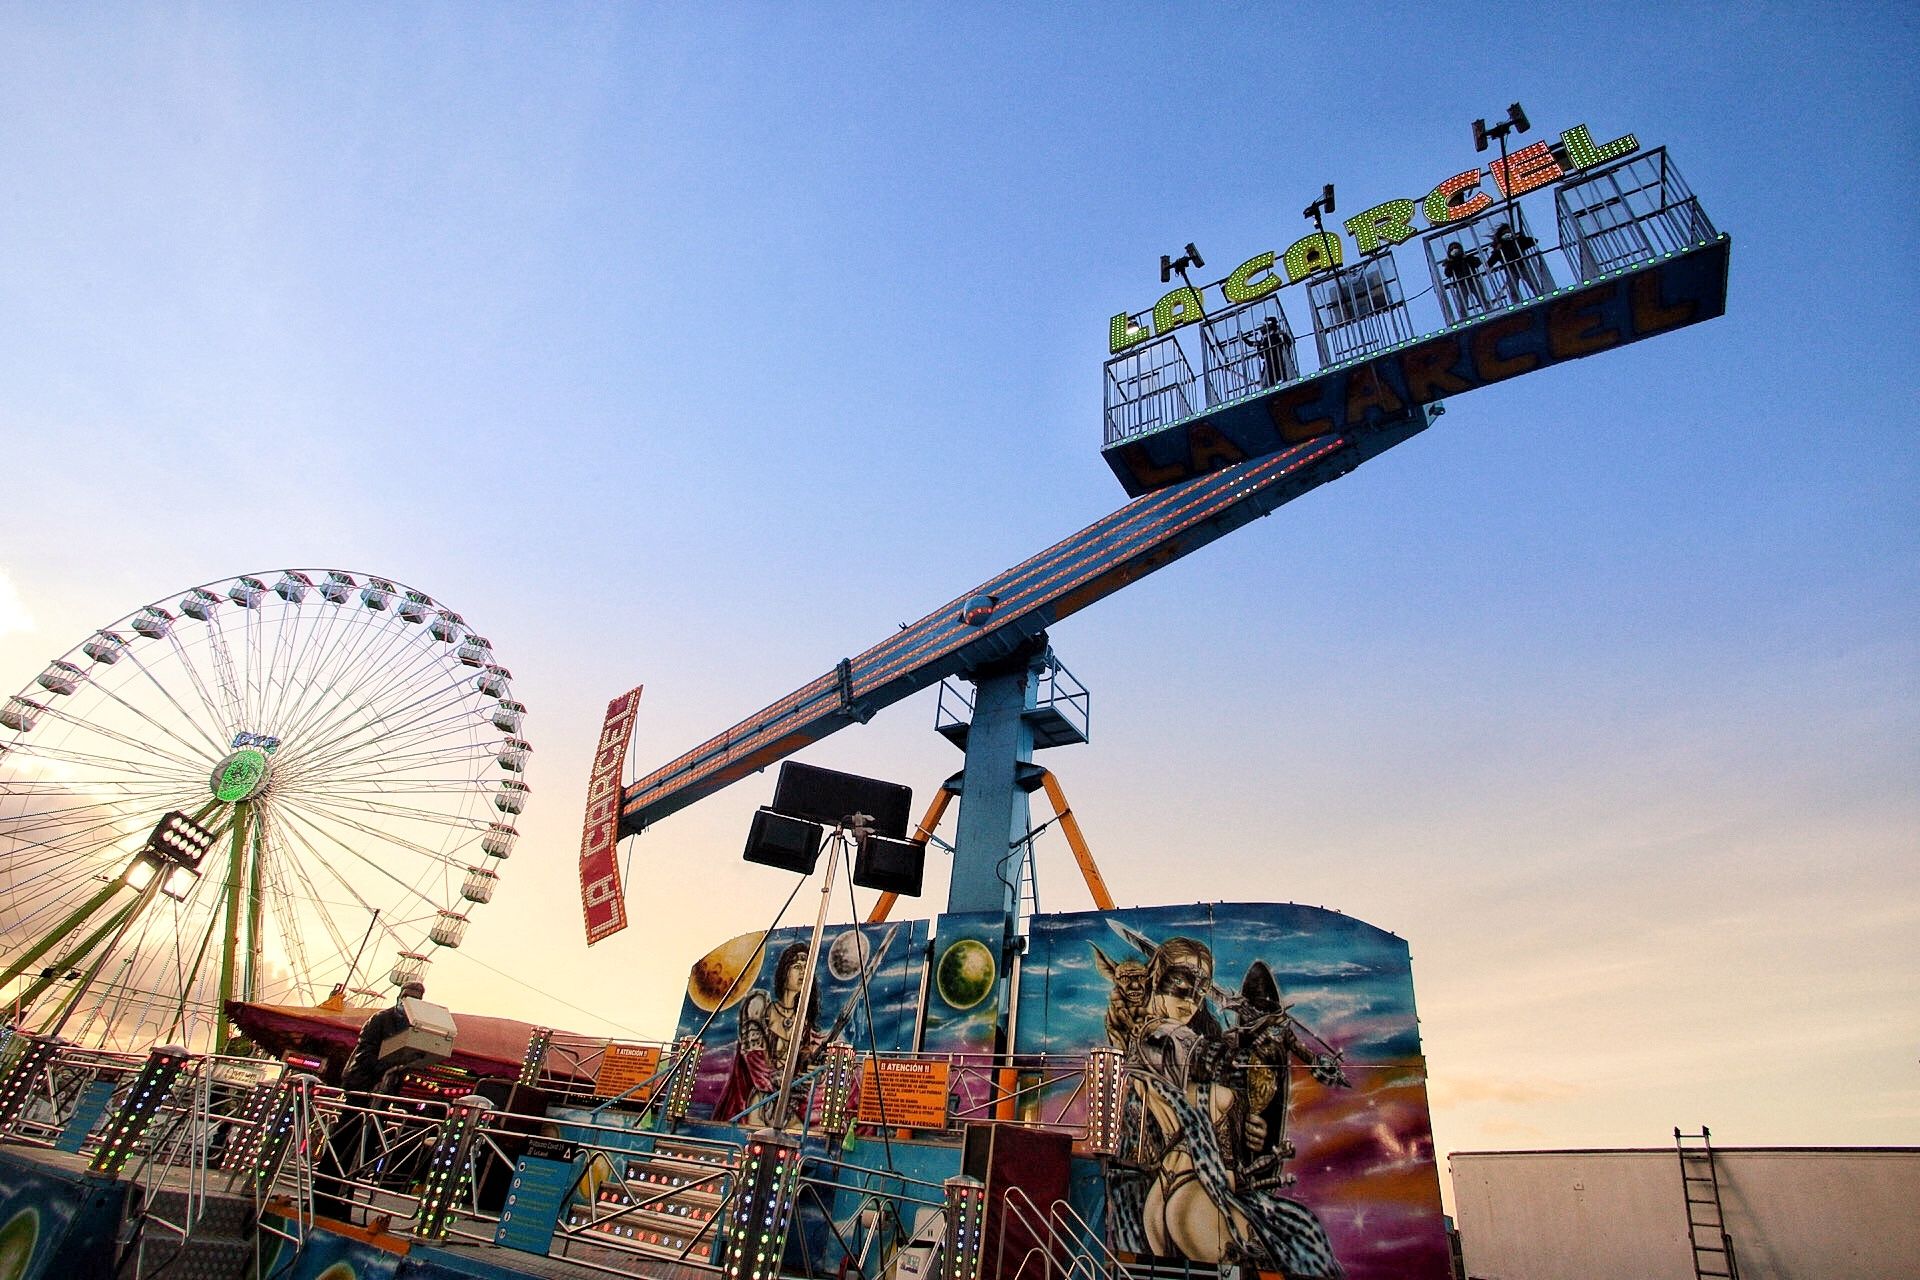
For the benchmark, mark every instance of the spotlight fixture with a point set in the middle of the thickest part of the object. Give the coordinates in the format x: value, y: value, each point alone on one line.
x: 1323, y: 205
x: 1516, y: 122
x: 1169, y: 267
x: 177, y: 847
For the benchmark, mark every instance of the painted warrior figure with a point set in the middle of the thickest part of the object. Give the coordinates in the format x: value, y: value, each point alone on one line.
x: 1212, y: 1104
x: 767, y: 1028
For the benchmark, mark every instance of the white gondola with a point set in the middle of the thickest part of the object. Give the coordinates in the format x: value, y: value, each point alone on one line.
x: 513, y: 797
x: 293, y: 586
x: 378, y: 594
x: 415, y: 607
x: 475, y: 651
x: 449, y: 929
x: 20, y: 714
x: 247, y: 592
x: 446, y: 626
x: 153, y: 622
x: 508, y: 715
x: 493, y: 681
x: 62, y: 678
x: 513, y: 755
x: 338, y: 588
x: 200, y: 604
x: 498, y: 841
x: 479, y: 884
x: 105, y: 647
x: 410, y: 967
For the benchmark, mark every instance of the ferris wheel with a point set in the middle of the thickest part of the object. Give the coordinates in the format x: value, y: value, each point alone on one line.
x: 291, y: 788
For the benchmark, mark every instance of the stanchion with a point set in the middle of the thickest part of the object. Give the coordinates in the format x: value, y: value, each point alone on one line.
x: 450, y: 1169
x: 26, y: 1057
x: 686, y: 1066
x: 1106, y: 1083
x: 142, y: 1104
x: 763, y: 1207
x: 965, y: 1249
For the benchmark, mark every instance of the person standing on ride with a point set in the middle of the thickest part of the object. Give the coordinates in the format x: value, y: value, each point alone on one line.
x: 363, y: 1077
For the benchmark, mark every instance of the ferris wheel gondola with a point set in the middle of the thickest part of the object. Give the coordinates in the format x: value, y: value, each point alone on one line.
x: 278, y: 787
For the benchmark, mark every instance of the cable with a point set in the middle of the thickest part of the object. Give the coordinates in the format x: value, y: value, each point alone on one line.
x: 873, y: 1041
x: 549, y: 995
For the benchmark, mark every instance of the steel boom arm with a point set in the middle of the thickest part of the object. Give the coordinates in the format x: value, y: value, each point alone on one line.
x: 1120, y: 548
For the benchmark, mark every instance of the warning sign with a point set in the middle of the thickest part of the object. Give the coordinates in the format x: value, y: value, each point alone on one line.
x: 915, y: 1094
x: 623, y: 1066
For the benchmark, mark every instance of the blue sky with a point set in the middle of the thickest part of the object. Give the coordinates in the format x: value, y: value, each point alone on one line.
x: 698, y: 346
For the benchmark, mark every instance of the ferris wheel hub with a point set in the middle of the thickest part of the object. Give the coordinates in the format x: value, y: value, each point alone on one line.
x: 242, y: 775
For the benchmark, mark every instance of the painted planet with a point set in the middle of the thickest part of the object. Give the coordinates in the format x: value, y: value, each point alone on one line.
x: 17, y: 1239
x: 733, y: 965
x: 848, y: 955
x: 965, y: 973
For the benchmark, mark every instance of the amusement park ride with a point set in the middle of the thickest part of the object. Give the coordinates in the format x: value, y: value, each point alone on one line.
x: 1203, y: 455
x: 1234, y: 1065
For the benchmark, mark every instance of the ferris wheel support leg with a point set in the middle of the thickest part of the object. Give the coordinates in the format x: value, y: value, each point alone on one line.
x: 77, y: 953
x: 124, y: 918
x: 255, y: 905
x: 230, y: 950
x: 59, y: 931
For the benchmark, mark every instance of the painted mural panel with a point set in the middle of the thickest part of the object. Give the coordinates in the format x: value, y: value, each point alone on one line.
x: 743, y: 1001
x: 963, y: 1005
x: 1278, y: 1116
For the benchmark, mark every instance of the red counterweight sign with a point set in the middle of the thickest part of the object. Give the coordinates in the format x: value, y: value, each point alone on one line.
x: 600, y: 896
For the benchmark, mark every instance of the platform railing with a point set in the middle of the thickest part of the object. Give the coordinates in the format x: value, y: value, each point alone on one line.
x: 1066, y: 1246
x: 1608, y: 220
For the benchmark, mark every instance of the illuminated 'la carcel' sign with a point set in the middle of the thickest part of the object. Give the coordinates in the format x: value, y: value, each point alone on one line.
x: 1454, y: 199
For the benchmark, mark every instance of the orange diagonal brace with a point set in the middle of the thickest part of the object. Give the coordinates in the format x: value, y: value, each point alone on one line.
x: 1070, y: 827
x: 921, y: 834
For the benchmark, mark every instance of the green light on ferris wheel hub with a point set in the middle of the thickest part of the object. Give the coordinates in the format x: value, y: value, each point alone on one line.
x: 241, y: 776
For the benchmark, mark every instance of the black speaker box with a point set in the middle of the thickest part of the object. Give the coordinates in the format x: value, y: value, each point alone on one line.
x: 825, y: 795
x: 891, y: 866
x: 781, y: 841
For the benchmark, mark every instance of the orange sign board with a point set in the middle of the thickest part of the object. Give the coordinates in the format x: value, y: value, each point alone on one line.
x: 623, y: 1066
x: 915, y: 1094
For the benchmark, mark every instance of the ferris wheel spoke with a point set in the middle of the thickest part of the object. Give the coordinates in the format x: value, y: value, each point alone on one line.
x: 392, y: 812
x: 315, y: 625
x: 430, y: 723
x: 213, y: 739
x: 386, y: 837
x: 317, y: 837
x: 230, y: 693
x: 189, y: 666
x: 362, y: 636
x: 347, y: 719
x: 147, y: 749
x: 93, y: 759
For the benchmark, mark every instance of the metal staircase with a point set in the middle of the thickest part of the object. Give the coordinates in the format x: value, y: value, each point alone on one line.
x: 1706, y: 1223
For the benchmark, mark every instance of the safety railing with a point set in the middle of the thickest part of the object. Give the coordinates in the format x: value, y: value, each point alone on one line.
x: 1608, y: 219
x: 1060, y: 1244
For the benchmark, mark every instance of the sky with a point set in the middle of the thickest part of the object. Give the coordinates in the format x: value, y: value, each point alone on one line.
x: 699, y: 346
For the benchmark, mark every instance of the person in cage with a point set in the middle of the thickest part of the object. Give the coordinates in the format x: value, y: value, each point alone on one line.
x: 1512, y: 251
x: 1462, y: 269
x: 1274, y: 346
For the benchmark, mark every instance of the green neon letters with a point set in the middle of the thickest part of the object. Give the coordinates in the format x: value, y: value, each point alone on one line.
x: 1241, y: 287
x: 1389, y: 223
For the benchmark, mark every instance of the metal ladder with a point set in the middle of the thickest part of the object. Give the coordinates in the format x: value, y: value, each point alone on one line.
x: 1706, y: 1223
